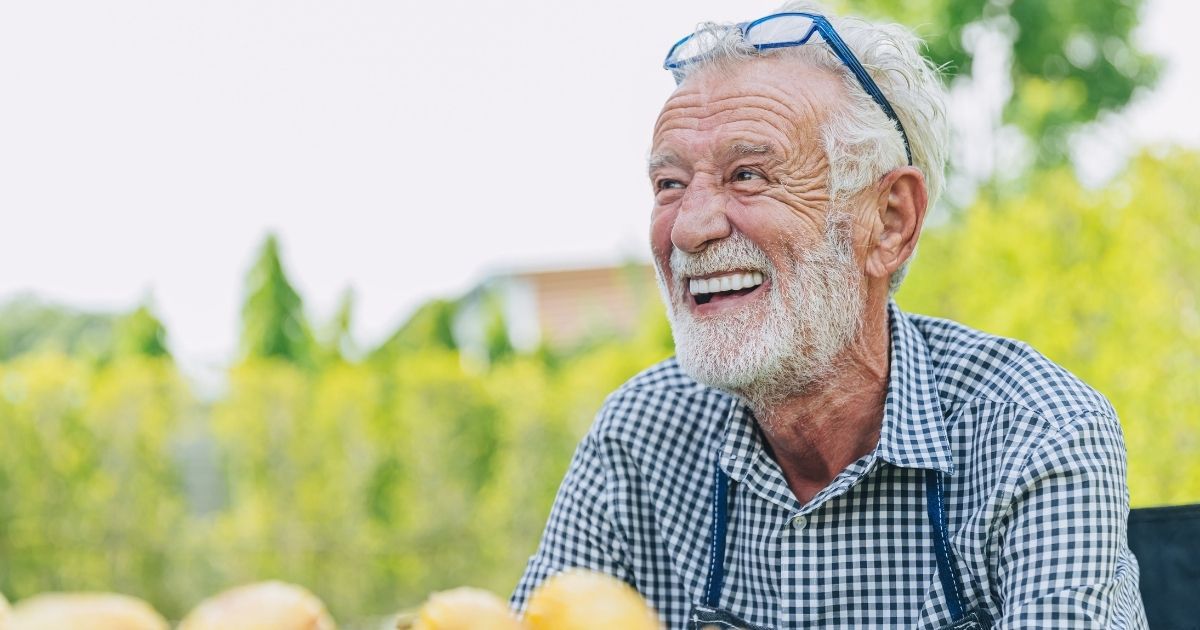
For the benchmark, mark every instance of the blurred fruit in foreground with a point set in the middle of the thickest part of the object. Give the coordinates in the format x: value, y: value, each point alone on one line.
x: 261, y: 606
x: 584, y: 600
x: 464, y: 609
x: 4, y: 614
x: 90, y: 611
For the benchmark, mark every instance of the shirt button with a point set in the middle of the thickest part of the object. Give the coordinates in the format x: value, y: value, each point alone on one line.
x: 799, y: 523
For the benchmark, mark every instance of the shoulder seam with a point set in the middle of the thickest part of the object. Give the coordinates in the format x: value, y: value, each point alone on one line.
x: 1058, y: 418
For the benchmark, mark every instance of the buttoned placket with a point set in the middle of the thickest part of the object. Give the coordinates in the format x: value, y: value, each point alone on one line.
x: 745, y: 459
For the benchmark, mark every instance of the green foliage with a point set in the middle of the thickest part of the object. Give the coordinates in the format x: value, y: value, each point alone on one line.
x: 1071, y: 59
x: 496, y: 343
x: 372, y: 484
x: 431, y: 327
x: 28, y: 324
x: 336, y: 342
x: 1105, y: 282
x: 91, y: 494
x: 273, y: 321
x: 140, y: 333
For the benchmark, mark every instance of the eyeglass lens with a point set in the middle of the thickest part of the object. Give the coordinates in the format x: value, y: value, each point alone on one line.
x: 782, y: 29
x: 697, y: 45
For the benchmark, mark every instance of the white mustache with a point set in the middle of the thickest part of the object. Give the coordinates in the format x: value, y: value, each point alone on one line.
x: 733, y: 252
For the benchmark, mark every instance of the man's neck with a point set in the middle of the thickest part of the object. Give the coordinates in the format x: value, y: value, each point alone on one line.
x: 817, y: 434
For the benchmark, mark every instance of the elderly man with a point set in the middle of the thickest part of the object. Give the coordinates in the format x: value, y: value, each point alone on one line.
x: 813, y: 456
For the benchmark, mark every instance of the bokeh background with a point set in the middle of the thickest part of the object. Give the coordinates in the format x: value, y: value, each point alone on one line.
x: 327, y: 292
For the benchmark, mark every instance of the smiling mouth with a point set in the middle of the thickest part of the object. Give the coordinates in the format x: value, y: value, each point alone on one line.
x: 723, y: 286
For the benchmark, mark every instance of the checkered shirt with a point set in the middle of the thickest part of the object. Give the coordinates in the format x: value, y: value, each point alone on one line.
x: 1035, y: 494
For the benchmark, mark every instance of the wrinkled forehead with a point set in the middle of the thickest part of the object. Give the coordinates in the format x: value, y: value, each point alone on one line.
x: 771, y: 95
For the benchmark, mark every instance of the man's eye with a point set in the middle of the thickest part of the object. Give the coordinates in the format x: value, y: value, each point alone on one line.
x: 668, y: 184
x: 745, y: 175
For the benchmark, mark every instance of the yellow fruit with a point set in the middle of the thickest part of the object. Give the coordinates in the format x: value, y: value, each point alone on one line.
x: 465, y: 609
x: 261, y: 606
x: 4, y: 614
x: 94, y: 611
x: 585, y: 600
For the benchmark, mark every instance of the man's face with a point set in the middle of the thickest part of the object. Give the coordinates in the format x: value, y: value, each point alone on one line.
x: 741, y: 199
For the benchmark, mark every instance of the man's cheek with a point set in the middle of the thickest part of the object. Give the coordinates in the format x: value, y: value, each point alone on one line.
x: 660, y: 236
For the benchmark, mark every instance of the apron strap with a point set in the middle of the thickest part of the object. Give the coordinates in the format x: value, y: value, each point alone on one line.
x: 716, y: 553
x: 947, y: 570
x: 934, y: 501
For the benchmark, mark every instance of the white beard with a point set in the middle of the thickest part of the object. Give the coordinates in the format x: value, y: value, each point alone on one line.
x: 766, y: 355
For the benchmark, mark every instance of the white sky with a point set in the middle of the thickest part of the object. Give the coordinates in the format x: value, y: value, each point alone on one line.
x: 401, y: 148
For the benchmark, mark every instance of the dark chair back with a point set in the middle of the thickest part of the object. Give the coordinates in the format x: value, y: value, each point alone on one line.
x: 1166, y: 541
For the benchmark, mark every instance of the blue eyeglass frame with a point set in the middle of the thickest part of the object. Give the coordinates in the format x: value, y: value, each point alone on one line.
x: 819, y: 25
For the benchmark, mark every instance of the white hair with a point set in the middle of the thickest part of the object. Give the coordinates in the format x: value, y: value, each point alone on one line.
x: 861, y: 143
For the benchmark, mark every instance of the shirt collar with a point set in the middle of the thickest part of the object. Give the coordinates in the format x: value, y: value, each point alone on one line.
x: 744, y: 458
x: 913, y: 433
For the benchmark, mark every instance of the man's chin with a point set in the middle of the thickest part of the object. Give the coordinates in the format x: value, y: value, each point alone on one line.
x: 730, y: 369
x: 739, y: 350
x: 760, y: 371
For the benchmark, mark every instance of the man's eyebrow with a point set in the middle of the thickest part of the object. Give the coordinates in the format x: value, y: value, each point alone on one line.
x: 738, y: 149
x: 741, y: 149
x: 660, y: 160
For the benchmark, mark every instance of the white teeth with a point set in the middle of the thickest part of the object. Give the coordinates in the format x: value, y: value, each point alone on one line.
x: 727, y: 282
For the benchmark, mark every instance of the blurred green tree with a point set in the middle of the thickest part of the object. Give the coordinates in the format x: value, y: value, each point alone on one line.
x: 336, y: 342
x: 28, y: 324
x: 1071, y: 60
x: 91, y: 495
x: 273, y: 320
x: 140, y: 333
x: 1106, y: 283
x: 496, y: 343
x: 431, y: 326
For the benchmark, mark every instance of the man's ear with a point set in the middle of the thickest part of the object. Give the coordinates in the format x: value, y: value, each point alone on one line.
x: 901, y: 207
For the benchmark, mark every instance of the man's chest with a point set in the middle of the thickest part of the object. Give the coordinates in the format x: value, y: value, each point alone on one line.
x: 863, y: 557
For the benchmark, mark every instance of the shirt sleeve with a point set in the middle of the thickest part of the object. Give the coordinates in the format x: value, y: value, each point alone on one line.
x: 1064, y: 553
x: 580, y: 531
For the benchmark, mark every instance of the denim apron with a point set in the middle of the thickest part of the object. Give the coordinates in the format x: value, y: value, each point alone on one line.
x: 708, y: 615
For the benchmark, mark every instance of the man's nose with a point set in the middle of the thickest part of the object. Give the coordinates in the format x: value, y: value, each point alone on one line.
x: 700, y: 221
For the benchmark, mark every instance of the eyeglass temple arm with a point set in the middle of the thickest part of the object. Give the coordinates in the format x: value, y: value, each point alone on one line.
x: 844, y: 53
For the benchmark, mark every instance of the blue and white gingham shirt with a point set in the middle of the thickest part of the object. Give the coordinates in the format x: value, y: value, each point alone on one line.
x: 1035, y: 495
